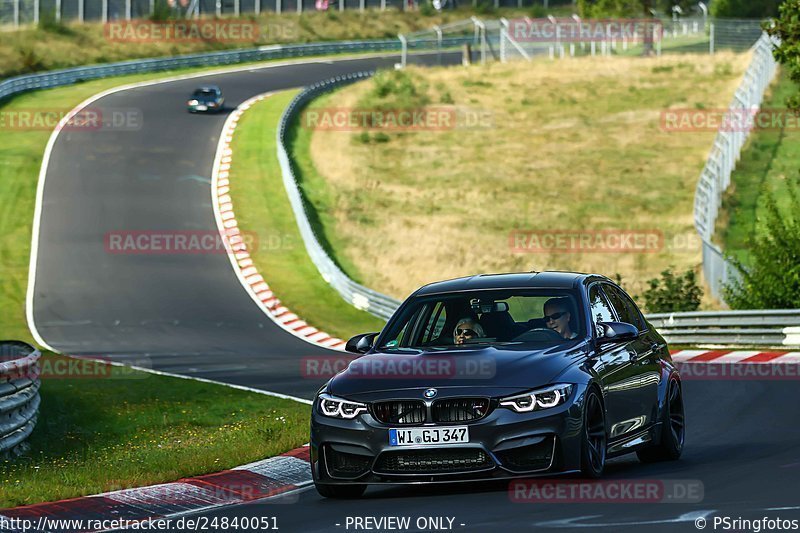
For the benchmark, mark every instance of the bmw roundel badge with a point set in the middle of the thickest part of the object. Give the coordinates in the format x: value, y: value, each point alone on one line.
x: 430, y: 393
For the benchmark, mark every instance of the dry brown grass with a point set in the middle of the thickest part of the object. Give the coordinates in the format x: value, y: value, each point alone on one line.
x: 575, y: 145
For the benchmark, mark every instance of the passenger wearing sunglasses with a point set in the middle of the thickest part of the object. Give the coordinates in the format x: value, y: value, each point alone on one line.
x: 467, y: 329
x: 557, y: 317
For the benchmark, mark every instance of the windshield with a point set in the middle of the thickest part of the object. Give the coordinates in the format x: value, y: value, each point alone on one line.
x: 487, y: 317
x: 204, y: 93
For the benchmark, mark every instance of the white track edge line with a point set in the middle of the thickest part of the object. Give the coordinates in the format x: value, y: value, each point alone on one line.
x: 195, y: 378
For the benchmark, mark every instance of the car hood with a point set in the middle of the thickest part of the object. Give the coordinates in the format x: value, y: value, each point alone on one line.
x: 495, y: 370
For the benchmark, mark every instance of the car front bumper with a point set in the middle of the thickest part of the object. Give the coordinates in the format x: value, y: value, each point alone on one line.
x: 504, y: 444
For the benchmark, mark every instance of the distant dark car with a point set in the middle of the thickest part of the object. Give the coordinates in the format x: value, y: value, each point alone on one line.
x: 206, y: 100
x: 498, y: 376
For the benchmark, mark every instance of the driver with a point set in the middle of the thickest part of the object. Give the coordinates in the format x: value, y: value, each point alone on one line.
x: 467, y: 329
x: 557, y: 317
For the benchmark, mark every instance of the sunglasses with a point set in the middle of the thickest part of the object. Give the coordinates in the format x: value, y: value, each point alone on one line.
x: 467, y: 332
x: 554, y: 316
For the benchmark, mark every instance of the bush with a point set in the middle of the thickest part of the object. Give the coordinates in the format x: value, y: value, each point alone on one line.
x: 772, y: 280
x: 161, y: 11
x: 48, y: 23
x: 396, y: 89
x: 673, y: 294
x: 745, y: 8
x: 426, y: 9
x: 485, y: 7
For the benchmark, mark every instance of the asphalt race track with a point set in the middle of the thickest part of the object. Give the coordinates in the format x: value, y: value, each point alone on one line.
x: 181, y: 313
x: 188, y: 314
x: 742, y: 445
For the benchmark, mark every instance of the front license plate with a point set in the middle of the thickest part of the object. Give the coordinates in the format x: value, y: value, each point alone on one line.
x: 417, y: 436
x: 201, y: 108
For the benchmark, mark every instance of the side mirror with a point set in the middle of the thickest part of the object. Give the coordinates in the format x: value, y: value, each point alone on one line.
x: 360, y: 343
x: 617, y: 332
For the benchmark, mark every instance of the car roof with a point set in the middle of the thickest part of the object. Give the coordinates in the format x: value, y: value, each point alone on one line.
x: 514, y: 280
x: 207, y: 88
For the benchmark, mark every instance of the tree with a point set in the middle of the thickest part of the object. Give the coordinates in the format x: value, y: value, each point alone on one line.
x: 745, y: 9
x: 772, y: 280
x: 787, y: 29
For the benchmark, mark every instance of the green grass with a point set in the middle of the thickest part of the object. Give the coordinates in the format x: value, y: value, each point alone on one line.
x: 115, y: 428
x: 769, y: 160
x: 262, y: 207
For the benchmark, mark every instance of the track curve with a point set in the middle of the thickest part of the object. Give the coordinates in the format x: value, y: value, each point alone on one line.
x: 185, y: 314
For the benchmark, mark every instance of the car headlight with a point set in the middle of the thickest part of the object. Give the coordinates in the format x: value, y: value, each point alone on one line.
x: 192, y: 102
x: 339, y: 408
x: 539, y: 399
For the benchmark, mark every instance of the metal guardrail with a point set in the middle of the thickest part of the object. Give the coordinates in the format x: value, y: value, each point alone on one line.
x: 57, y: 78
x: 716, y: 176
x: 359, y: 296
x: 757, y: 327
x: 19, y: 394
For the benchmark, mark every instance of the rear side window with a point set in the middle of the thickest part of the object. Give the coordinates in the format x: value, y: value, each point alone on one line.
x: 601, y: 309
x: 626, y: 309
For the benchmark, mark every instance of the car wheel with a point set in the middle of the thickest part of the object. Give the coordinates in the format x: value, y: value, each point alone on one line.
x: 673, y: 429
x: 593, y: 449
x: 340, y: 491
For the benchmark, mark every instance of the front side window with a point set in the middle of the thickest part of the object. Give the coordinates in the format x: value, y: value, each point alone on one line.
x: 599, y: 306
x: 487, y: 317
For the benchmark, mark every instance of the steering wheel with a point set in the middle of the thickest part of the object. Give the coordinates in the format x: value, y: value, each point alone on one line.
x: 540, y: 334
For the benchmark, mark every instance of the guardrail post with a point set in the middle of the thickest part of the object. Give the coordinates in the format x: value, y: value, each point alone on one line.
x: 218, y: 8
x: 403, y: 49
x: 128, y: 9
x: 236, y: 7
x: 711, y: 39
x: 58, y: 10
x: 16, y: 13
x: 438, y: 31
x: 361, y: 5
x: 300, y: 6
x: 278, y: 6
x: 103, y: 11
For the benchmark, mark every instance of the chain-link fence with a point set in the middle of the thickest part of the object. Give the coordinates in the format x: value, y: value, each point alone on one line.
x: 716, y: 176
x: 526, y: 38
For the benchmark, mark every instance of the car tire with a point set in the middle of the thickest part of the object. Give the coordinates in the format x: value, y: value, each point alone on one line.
x: 595, y: 440
x: 340, y: 491
x: 673, y: 429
